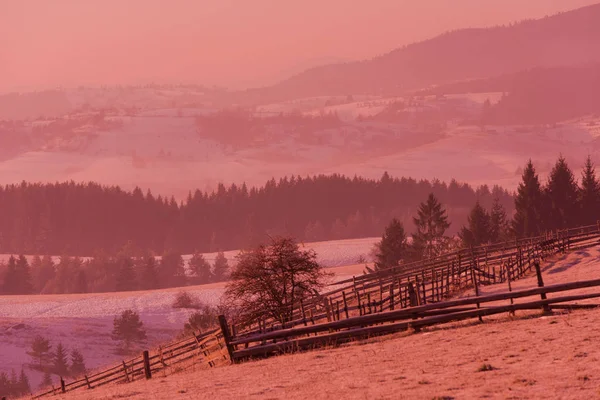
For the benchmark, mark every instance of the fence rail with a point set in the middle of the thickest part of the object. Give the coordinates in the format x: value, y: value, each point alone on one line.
x: 393, y: 299
x: 208, y: 348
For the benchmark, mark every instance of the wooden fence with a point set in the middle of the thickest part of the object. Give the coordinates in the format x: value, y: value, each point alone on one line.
x: 416, y: 317
x: 429, y: 281
x: 208, y: 348
x: 394, y: 299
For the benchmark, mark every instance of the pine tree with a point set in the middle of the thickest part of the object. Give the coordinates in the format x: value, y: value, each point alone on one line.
x: 431, y: 223
x: 24, y: 386
x: 172, y: 271
x: 24, y: 274
x: 77, y: 363
x: 45, y: 274
x: 81, y: 285
x: 47, y: 381
x: 200, y: 268
x: 40, y: 350
x: 528, y: 204
x: 220, y: 268
x: 478, y: 230
x: 128, y: 328
x: 126, y: 276
x: 499, y: 226
x: 13, y: 384
x: 60, y: 365
x: 4, y: 384
x: 589, y: 195
x: 11, y: 277
x: 561, y: 192
x: 149, y: 275
x: 393, y: 246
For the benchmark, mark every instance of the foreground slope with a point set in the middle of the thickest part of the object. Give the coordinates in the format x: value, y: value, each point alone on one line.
x: 531, y: 356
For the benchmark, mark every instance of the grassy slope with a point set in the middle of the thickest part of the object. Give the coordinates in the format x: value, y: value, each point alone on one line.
x: 543, y: 357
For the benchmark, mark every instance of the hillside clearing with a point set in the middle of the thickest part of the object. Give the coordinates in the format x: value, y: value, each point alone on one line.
x: 522, y: 357
x: 546, y: 357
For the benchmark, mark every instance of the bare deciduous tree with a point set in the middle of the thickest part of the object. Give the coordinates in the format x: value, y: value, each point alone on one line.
x: 270, y: 281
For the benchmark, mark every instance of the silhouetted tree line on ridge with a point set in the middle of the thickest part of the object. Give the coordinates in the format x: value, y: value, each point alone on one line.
x: 88, y: 219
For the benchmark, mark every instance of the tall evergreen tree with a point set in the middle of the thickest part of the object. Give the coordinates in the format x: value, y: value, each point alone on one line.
x: 4, y: 384
x: 24, y: 274
x: 24, y: 386
x: 528, y: 204
x: 479, y: 227
x: 561, y: 193
x: 60, y: 364
x: 126, y: 280
x: 393, y: 246
x: 200, y: 269
x: 499, y: 225
x: 172, y: 272
x: 589, y: 195
x: 148, y: 274
x: 77, y: 363
x: 40, y: 350
x: 220, y: 267
x: 128, y: 328
x: 46, y: 381
x: 11, y: 277
x: 431, y: 223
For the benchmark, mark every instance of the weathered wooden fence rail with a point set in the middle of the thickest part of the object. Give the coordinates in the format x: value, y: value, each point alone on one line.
x: 208, y: 348
x: 432, y: 280
x: 386, y: 301
x: 360, y: 327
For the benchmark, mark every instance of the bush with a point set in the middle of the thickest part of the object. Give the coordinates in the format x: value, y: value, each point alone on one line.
x: 202, y: 320
x: 185, y: 300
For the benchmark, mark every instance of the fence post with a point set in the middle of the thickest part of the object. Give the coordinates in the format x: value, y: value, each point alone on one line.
x: 147, y: 370
x: 345, y: 305
x: 226, y: 337
x: 62, y: 385
x: 538, y: 272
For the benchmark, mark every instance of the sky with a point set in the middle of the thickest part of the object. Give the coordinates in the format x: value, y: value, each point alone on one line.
x: 230, y: 43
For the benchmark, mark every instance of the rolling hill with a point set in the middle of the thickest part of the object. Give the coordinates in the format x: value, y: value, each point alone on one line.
x: 561, y: 40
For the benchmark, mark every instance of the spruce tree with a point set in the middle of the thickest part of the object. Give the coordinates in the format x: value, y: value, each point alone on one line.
x: 24, y: 274
x: 126, y: 276
x: 40, y: 351
x: 499, y: 225
x: 60, y: 365
x: 47, y: 380
x: 528, y: 204
x: 431, y: 223
x: 220, y: 268
x: 4, y: 383
x: 11, y: 277
x: 172, y: 272
x: 149, y: 275
x: 24, y: 386
x: 561, y: 193
x: 479, y: 227
x: 200, y: 269
x: 128, y: 328
x: 393, y: 246
x: 589, y: 195
x: 77, y: 363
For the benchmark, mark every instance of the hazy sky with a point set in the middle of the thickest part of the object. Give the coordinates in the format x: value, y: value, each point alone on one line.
x: 235, y: 43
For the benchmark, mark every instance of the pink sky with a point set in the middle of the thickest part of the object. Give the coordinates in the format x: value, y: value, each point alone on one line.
x: 234, y: 43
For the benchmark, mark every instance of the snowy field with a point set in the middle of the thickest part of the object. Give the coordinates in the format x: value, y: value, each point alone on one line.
x: 85, y: 320
x: 162, y: 149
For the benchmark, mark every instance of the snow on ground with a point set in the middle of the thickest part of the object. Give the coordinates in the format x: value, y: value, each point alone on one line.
x: 546, y: 357
x: 85, y: 320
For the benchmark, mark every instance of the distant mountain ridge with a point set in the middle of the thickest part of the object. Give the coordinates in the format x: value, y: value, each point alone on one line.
x: 565, y: 39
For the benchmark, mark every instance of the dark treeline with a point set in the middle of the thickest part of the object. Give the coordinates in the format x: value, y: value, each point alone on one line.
x: 87, y: 219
